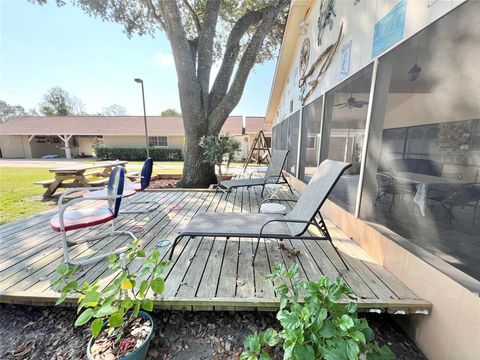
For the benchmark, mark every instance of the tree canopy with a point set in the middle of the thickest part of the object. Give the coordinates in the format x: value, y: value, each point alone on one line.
x: 114, y: 110
x: 234, y: 34
x: 170, y: 112
x: 58, y: 102
x: 7, y: 111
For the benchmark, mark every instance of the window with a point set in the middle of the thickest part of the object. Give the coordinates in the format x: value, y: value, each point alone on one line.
x: 422, y: 176
x: 292, y: 142
x: 345, y: 117
x: 310, y: 141
x: 158, y: 141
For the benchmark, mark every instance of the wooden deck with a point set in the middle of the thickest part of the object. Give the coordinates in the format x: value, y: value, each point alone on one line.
x: 206, y: 273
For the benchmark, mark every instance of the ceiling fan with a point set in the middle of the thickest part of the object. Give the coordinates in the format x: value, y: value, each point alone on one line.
x: 352, y: 103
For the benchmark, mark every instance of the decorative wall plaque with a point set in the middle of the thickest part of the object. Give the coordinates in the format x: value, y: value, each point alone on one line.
x: 304, y: 56
x: 325, y: 19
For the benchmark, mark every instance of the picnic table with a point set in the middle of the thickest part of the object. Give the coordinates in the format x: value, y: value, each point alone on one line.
x: 79, y: 174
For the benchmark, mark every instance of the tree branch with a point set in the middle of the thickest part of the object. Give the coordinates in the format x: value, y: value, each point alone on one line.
x: 231, y: 99
x: 157, y: 17
x: 194, y: 16
x: 220, y: 86
x: 188, y: 85
x: 205, y: 49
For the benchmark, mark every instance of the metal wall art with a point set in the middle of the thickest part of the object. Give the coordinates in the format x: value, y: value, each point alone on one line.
x: 325, y: 59
x: 304, y: 56
x: 325, y: 19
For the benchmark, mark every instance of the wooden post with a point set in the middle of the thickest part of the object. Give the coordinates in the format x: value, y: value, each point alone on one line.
x: 66, y: 140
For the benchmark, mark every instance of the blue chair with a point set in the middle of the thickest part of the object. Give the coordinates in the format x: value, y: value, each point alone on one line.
x: 69, y: 219
x: 145, y: 176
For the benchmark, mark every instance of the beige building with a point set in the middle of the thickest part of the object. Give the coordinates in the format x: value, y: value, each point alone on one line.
x: 392, y: 86
x: 78, y: 136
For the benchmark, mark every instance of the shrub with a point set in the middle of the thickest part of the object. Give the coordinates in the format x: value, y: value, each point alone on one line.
x: 131, y: 154
x: 322, y: 327
x: 215, y: 148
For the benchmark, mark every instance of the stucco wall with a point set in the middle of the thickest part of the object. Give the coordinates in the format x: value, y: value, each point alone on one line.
x: 360, y: 33
x: 174, y: 142
x: 84, y: 145
x: 12, y: 146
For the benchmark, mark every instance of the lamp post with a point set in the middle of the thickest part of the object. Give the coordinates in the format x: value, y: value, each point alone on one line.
x: 140, y: 81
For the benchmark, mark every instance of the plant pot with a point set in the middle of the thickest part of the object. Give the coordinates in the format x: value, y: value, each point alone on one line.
x: 140, y: 353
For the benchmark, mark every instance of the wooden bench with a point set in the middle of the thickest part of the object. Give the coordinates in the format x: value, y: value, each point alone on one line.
x: 44, y: 183
x: 93, y: 173
x: 98, y: 182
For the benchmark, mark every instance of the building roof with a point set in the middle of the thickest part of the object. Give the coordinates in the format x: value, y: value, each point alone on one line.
x: 106, y: 125
x: 253, y: 124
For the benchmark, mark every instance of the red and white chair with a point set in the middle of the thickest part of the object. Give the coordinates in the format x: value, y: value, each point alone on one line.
x: 69, y: 219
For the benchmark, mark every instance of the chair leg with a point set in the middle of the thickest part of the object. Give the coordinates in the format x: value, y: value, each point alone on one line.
x: 289, y: 187
x: 173, y: 246
x: 474, y: 213
x: 391, y: 203
x: 323, y: 228
x: 86, y: 261
x: 255, y: 252
x: 263, y: 189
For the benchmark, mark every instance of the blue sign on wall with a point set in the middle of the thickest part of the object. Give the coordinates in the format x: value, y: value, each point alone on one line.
x: 345, y: 60
x: 390, y: 29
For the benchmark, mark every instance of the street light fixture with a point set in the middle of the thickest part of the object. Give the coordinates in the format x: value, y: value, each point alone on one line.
x: 140, y: 81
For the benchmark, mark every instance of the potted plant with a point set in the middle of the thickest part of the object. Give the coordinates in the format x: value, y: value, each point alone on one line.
x: 120, y: 325
x: 214, y: 150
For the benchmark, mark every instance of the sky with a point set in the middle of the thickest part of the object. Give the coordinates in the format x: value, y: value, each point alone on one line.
x: 46, y: 46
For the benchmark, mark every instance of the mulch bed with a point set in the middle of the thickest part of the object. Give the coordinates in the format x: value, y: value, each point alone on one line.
x: 28, y: 332
x: 163, y: 184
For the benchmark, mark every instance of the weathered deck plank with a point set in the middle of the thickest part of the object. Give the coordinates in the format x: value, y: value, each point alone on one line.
x: 205, y: 273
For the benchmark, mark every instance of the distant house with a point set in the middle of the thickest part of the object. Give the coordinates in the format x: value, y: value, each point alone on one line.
x: 77, y: 136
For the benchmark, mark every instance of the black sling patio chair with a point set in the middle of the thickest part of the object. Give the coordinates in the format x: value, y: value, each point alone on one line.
x: 306, y: 212
x: 273, y: 175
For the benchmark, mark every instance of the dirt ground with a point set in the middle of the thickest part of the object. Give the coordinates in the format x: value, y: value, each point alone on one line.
x: 38, y: 333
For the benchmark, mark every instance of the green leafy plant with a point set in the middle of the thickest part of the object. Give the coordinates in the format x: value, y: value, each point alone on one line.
x: 324, y: 326
x: 117, y: 305
x: 215, y: 148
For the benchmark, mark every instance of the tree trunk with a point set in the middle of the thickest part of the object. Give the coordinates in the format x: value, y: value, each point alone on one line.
x: 196, y: 172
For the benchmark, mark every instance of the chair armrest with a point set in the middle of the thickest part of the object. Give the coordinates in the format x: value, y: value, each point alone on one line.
x: 266, y: 178
x: 77, y: 189
x: 256, y: 171
x: 273, y: 200
x: 284, y: 220
x: 63, y: 207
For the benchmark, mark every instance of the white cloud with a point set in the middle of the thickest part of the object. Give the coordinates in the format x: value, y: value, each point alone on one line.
x: 162, y: 59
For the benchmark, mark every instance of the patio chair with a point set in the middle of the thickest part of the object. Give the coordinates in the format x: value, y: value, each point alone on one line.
x: 144, y: 179
x: 132, y: 188
x: 467, y: 195
x: 74, y: 219
x: 387, y: 184
x: 290, y: 226
x: 273, y: 175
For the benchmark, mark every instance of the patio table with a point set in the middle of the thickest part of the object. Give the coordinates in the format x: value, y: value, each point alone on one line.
x: 79, y: 176
x: 422, y: 185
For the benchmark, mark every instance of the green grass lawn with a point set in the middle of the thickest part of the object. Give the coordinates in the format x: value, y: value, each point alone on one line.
x: 19, y: 197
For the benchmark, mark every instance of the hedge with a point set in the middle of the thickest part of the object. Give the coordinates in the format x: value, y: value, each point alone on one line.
x: 139, y: 154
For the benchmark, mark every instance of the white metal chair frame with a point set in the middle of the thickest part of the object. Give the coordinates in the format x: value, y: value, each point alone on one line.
x: 66, y: 241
